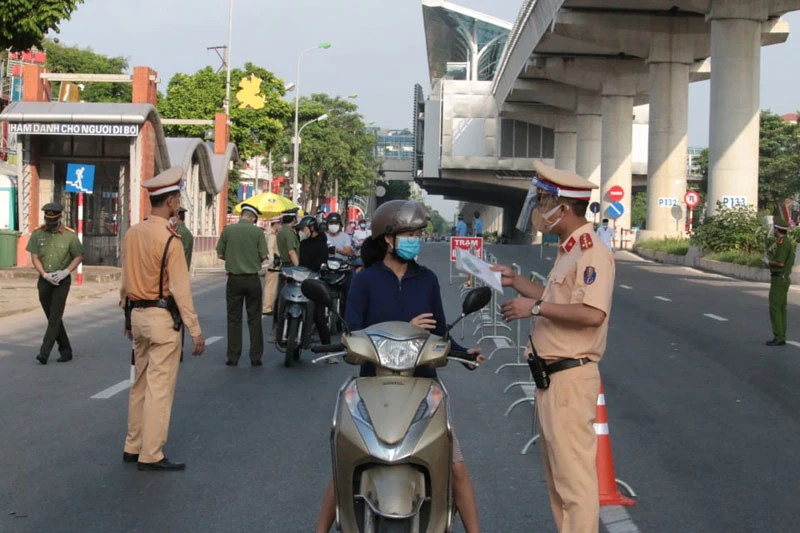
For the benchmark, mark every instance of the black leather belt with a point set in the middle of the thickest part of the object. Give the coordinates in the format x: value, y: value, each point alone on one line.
x: 566, y: 364
x: 255, y: 274
x: 778, y: 274
x: 143, y: 304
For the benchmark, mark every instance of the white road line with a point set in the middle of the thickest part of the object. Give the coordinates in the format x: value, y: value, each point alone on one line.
x: 662, y: 298
x: 793, y: 343
x: 716, y: 317
x: 549, y: 258
x: 212, y: 340
x: 626, y: 287
x: 617, y: 520
x: 112, y: 390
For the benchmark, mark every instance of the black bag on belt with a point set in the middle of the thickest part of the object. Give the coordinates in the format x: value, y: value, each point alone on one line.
x: 538, y: 369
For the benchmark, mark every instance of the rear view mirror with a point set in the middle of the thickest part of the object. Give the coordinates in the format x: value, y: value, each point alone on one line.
x: 475, y: 300
x: 317, y: 291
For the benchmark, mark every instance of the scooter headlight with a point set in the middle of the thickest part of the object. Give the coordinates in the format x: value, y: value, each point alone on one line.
x: 397, y: 355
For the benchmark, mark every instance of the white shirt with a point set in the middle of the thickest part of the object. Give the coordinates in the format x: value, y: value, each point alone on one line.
x: 606, y: 235
x: 361, y: 235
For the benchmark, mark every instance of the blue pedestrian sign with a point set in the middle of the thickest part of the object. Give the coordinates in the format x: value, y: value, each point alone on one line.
x: 80, y: 178
x: 616, y: 209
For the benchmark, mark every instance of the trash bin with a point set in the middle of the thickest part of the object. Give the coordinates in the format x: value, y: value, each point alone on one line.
x: 8, y: 248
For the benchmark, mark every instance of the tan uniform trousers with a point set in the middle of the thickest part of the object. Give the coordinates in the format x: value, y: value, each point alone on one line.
x: 270, y: 288
x: 157, y: 354
x: 567, y: 411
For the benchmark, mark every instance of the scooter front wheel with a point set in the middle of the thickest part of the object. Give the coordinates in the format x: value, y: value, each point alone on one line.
x: 292, y: 343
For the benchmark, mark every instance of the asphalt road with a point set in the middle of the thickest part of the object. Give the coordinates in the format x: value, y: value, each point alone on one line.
x: 703, y: 418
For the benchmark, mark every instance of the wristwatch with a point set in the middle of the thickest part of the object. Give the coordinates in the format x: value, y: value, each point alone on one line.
x: 537, y: 309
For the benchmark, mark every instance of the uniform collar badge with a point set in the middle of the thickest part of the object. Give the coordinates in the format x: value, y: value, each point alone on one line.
x: 569, y: 245
x: 586, y: 241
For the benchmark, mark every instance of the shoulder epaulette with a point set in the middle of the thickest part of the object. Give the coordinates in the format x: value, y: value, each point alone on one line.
x: 586, y: 241
x: 69, y: 229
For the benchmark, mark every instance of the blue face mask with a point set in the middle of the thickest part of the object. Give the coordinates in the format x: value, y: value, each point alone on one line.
x: 408, y: 247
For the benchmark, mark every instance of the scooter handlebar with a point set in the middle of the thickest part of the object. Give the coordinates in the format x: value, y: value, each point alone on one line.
x: 465, y: 358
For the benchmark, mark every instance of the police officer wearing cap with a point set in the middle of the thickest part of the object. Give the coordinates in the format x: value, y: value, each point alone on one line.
x: 156, y: 292
x: 243, y: 248
x: 187, y: 239
x: 570, y: 326
x: 289, y: 252
x: 273, y: 266
x: 55, y: 252
x: 780, y: 262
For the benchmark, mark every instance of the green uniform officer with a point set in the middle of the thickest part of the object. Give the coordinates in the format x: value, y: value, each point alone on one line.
x: 55, y: 253
x: 243, y: 248
x: 187, y: 239
x: 780, y: 263
x: 289, y: 251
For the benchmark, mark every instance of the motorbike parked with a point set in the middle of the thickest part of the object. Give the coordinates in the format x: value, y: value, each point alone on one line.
x: 295, y: 318
x: 334, y: 273
x: 391, y: 441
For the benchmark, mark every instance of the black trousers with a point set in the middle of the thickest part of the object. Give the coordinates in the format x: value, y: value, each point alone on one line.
x: 244, y: 290
x: 54, y: 300
x: 322, y: 323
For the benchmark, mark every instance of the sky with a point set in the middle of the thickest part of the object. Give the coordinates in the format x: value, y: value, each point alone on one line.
x: 378, y: 49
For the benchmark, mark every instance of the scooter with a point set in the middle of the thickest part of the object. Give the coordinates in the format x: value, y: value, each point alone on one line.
x: 391, y: 440
x: 334, y: 273
x: 294, y: 330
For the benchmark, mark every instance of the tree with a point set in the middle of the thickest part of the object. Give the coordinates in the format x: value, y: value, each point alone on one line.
x: 395, y: 190
x: 639, y: 210
x: 23, y: 23
x: 779, y: 160
x: 440, y: 225
x: 71, y: 59
x: 200, y: 96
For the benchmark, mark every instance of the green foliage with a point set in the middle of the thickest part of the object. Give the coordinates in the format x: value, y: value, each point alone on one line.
x: 201, y: 95
x: 670, y: 246
x: 639, y: 210
x: 737, y: 258
x: 71, y: 59
x: 438, y: 223
x: 337, y: 149
x: 739, y: 229
x: 23, y: 23
x: 492, y: 237
x: 395, y: 190
x: 779, y: 160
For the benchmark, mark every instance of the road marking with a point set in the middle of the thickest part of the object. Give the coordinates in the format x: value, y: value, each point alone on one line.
x: 212, y: 340
x: 617, y: 520
x: 549, y: 258
x: 112, y: 390
x: 716, y: 317
x: 626, y: 287
x: 662, y: 298
x: 793, y: 343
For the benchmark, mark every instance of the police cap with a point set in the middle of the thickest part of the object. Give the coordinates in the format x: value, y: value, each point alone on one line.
x: 52, y: 210
x: 252, y: 209
x: 166, y: 182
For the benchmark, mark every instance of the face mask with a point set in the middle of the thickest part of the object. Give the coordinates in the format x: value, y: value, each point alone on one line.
x: 408, y: 247
x: 302, y: 235
x: 362, y: 226
x: 334, y: 228
x: 543, y: 223
x: 52, y: 223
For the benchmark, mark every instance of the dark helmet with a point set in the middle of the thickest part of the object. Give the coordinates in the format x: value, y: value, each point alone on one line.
x: 323, y: 226
x: 334, y: 218
x: 477, y: 214
x: 399, y: 216
x: 307, y: 221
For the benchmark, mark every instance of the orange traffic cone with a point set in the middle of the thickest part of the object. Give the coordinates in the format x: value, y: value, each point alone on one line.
x: 609, y: 495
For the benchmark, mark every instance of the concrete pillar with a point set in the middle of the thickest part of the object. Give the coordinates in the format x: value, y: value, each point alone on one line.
x: 734, y: 118
x: 589, y: 136
x: 617, y: 132
x: 667, y: 145
x: 566, y: 143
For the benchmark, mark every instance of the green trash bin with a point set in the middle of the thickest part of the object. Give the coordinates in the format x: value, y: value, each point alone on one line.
x: 8, y: 248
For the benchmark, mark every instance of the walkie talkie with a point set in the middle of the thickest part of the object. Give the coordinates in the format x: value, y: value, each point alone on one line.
x: 538, y: 369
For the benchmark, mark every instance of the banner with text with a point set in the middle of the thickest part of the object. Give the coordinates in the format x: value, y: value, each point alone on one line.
x: 465, y: 243
x: 59, y: 128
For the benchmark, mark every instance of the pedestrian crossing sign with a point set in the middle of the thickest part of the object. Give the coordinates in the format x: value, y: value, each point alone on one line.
x: 80, y: 178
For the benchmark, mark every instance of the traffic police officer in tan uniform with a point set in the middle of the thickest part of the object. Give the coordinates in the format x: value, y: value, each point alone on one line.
x: 570, y: 325
x: 55, y: 253
x: 155, y: 281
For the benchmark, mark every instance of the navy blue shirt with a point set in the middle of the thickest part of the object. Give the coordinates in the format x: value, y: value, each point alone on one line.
x: 376, y: 295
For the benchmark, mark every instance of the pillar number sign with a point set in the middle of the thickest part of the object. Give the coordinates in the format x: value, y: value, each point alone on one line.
x: 667, y: 202
x: 734, y: 201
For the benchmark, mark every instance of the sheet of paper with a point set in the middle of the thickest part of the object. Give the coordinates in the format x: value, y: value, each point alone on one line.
x: 468, y: 263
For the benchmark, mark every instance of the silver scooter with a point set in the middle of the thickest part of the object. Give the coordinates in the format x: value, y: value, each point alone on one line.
x: 391, y: 441
x: 295, y: 319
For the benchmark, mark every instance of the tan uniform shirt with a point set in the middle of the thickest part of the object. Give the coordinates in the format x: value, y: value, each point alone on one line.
x: 141, y: 264
x: 582, y: 274
x: 272, y: 245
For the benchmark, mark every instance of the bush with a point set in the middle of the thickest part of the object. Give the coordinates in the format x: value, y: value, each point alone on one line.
x: 670, y: 246
x: 737, y: 258
x: 738, y: 229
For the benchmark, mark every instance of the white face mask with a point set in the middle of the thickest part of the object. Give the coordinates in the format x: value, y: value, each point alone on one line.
x: 543, y: 223
x: 302, y: 235
x: 334, y: 228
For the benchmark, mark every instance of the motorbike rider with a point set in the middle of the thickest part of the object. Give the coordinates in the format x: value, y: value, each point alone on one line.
x: 361, y: 234
x: 314, y: 253
x: 393, y: 275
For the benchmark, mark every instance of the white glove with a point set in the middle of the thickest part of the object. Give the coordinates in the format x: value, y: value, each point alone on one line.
x: 765, y: 261
x: 60, y: 275
x: 50, y: 278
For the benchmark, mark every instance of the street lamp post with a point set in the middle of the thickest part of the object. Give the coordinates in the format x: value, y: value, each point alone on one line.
x: 296, y: 159
x: 295, y: 192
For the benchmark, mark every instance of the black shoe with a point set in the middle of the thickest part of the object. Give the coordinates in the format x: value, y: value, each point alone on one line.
x: 232, y: 363
x: 257, y: 363
x: 163, y: 465
x: 776, y: 342
x: 130, y: 457
x: 42, y: 358
x: 64, y: 359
